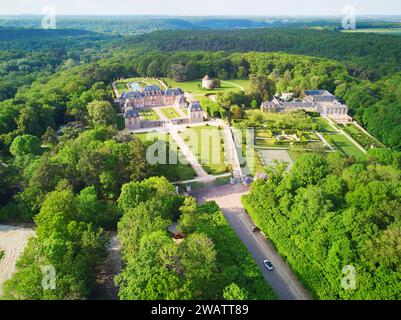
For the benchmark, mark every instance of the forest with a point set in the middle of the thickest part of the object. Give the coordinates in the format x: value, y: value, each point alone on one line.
x: 211, y: 263
x: 329, y: 213
x: 368, y: 56
x: 66, y: 166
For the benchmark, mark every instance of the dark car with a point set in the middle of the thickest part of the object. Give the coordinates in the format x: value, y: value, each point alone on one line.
x: 268, y: 265
x: 254, y: 229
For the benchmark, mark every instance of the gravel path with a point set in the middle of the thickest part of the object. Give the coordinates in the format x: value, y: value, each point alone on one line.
x: 13, y: 240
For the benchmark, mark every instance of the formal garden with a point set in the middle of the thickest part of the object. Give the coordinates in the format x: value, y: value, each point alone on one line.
x: 176, y: 168
x: 148, y: 114
x: 296, y: 133
x: 170, y: 113
x: 207, y: 143
x: 364, y: 139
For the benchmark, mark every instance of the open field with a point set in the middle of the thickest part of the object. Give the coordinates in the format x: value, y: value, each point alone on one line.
x: 170, y: 113
x: 195, y: 86
x: 180, y: 171
x: 210, y: 153
x: 344, y: 145
x: 389, y: 31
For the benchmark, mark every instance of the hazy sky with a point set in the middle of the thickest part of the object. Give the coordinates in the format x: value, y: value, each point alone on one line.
x: 201, y: 7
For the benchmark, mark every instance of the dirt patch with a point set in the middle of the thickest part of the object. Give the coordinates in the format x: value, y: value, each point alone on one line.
x: 13, y: 240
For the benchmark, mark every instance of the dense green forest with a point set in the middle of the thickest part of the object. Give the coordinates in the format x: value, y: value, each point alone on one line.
x: 368, y: 56
x: 209, y: 264
x: 327, y: 214
x: 27, y: 55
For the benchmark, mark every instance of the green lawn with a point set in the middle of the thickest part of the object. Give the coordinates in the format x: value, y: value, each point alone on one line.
x: 195, y: 86
x: 170, y: 113
x: 122, y: 87
x: 324, y: 125
x: 245, y: 84
x: 344, y: 145
x: 210, y: 153
x: 149, y: 114
x: 176, y: 171
x: 340, y: 141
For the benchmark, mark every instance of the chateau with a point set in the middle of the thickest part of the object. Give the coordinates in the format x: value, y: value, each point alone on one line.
x: 320, y: 101
x: 152, y: 96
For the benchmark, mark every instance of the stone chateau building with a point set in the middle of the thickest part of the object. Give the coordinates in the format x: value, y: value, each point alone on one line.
x: 151, y: 96
x: 320, y: 101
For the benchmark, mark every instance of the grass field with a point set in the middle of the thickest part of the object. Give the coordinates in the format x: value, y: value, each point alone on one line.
x: 210, y: 153
x: 340, y: 141
x: 196, y: 86
x: 344, y: 145
x: 149, y: 114
x: 388, y: 31
x: 122, y: 87
x: 170, y: 113
x: 179, y: 171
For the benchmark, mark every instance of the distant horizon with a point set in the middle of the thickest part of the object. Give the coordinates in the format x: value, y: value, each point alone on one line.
x: 190, y: 8
x: 202, y: 16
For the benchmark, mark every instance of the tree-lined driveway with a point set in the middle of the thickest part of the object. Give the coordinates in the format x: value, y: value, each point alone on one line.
x: 282, y: 279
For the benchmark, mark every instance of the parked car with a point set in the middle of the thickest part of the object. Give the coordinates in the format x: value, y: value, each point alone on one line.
x: 268, y: 265
x: 253, y: 228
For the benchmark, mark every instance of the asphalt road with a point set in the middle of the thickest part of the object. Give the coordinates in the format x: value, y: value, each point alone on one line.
x: 282, y: 279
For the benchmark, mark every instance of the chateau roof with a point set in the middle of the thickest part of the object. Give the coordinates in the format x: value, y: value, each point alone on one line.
x: 195, y: 106
x: 132, y: 95
x: 173, y: 92
x: 151, y: 87
x: 132, y: 113
x: 320, y: 95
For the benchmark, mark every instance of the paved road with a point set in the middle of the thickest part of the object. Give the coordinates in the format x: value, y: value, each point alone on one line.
x: 282, y: 279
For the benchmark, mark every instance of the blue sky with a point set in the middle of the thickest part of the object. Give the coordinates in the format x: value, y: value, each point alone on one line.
x: 202, y: 7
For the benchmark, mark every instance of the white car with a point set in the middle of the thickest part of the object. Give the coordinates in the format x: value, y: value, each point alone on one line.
x: 268, y: 265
